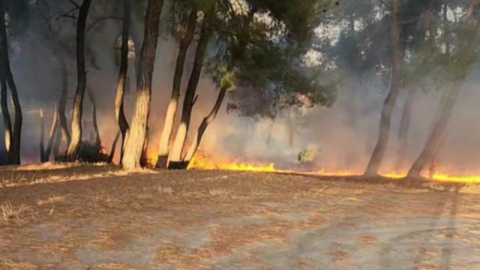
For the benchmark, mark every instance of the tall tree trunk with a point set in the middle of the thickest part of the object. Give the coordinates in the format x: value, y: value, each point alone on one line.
x: 42, y: 136
x: 177, y: 163
x: 189, y: 101
x: 185, y: 42
x: 138, y: 131
x: 56, y: 147
x: 385, y: 121
x: 81, y: 84
x: 144, y: 158
x: 96, y: 131
x: 17, y: 126
x: 122, y: 79
x: 447, y: 104
x: 6, y: 118
x: 404, y: 129
x: 111, y: 156
x: 62, y: 103
x: 436, y: 135
x: 203, y: 126
x: 52, y: 135
x: 5, y: 61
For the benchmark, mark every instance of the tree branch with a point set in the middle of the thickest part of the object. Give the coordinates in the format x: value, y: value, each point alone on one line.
x: 99, y: 20
x: 194, y: 100
x: 74, y: 3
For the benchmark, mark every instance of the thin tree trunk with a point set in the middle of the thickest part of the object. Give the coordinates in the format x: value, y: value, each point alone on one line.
x: 111, y: 156
x: 166, y: 136
x: 203, y: 126
x: 205, y: 36
x: 189, y: 101
x: 76, y: 139
x: 447, y: 104
x: 122, y: 79
x: 52, y: 135
x: 5, y: 61
x: 17, y: 126
x: 436, y: 135
x: 144, y: 158
x: 6, y: 118
x: 42, y: 136
x: 405, y: 128
x: 96, y: 131
x: 436, y: 152
x: 138, y: 131
x: 384, y: 131
x: 56, y: 146
x: 62, y: 103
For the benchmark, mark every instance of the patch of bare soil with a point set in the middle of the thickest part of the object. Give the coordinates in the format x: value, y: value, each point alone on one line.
x: 100, y: 217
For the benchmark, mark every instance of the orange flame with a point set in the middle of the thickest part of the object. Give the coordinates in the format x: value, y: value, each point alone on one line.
x: 206, y: 164
x: 203, y: 162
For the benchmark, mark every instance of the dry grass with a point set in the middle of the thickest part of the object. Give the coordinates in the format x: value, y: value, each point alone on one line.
x: 9, y: 264
x: 339, y: 256
x: 13, y: 212
x: 115, y: 266
x: 100, y: 200
x: 42, y: 167
x: 219, y: 192
x: 165, y: 190
x: 368, y: 239
x: 51, y: 200
x: 470, y: 189
x: 22, y: 180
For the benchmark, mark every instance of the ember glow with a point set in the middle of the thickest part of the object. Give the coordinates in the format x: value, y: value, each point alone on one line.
x: 202, y: 162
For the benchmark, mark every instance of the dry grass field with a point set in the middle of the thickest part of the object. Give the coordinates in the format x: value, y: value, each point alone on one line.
x: 64, y: 216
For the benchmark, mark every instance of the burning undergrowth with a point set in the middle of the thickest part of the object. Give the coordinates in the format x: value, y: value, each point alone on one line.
x: 204, y: 161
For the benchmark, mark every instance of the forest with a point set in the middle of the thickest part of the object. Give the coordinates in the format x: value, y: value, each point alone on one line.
x: 348, y: 87
x: 239, y: 134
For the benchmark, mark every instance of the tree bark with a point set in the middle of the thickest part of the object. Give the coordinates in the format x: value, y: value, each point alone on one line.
x: 81, y: 84
x: 6, y: 118
x: 122, y: 79
x: 166, y: 136
x: 56, y: 147
x: 58, y: 48
x: 5, y: 61
x: 144, y: 157
x: 42, y: 136
x: 52, y: 135
x: 189, y: 101
x: 111, y: 156
x: 385, y: 122
x: 138, y: 131
x: 203, y: 126
x: 436, y: 135
x: 62, y: 103
x: 404, y: 129
x: 96, y: 131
